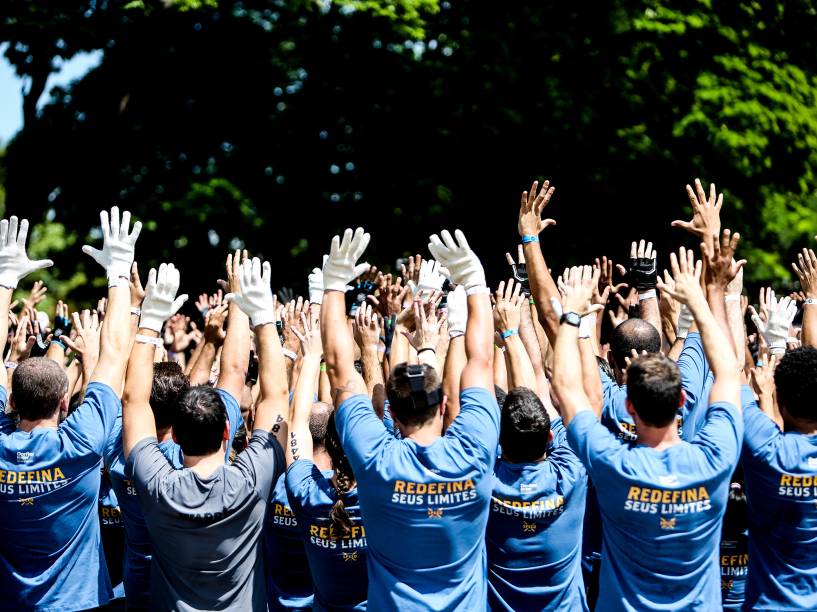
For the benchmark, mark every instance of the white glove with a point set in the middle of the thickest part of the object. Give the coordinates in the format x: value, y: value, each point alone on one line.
x: 431, y: 277
x: 462, y: 264
x: 776, y: 329
x: 685, y: 320
x: 340, y: 269
x: 255, y: 298
x: 118, y: 245
x: 160, y: 301
x: 14, y: 262
x: 316, y: 284
x: 457, y: 304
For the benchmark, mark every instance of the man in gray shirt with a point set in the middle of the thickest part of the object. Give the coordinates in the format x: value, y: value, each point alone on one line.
x: 205, y: 520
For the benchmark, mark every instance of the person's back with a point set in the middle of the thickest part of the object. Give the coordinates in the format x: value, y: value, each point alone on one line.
x: 780, y: 469
x: 534, y: 535
x: 734, y: 547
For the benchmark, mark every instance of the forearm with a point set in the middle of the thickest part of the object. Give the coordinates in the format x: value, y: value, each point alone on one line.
x: 337, y: 341
x: 501, y: 369
x: 718, y: 349
x: 542, y: 287
x: 737, y: 328
x: 301, y: 447
x: 137, y: 417
x: 200, y: 373
x: 527, y: 333
x: 567, y: 373
x: 272, y: 411
x: 56, y: 353
x: 235, y: 353
x: 400, y: 347
x: 454, y: 363
x: 716, y: 298
x: 428, y: 357
x: 520, y: 369
x: 5, y: 301
x: 809, y: 330
x: 372, y: 371
x: 649, y: 311
x: 591, y: 380
x: 193, y: 362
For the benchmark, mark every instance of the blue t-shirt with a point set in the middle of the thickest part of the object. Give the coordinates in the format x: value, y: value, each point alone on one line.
x: 534, y: 535
x: 780, y: 470
x: 338, y: 565
x: 696, y: 380
x: 444, y: 489
x: 137, y: 540
x: 50, y: 547
x: 661, y: 511
x: 734, y: 557
x: 111, y: 529
x: 289, y: 581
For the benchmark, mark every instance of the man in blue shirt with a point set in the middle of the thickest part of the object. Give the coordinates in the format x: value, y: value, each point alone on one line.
x: 780, y: 468
x: 50, y: 548
x: 534, y: 535
x: 424, y: 497
x: 662, y: 499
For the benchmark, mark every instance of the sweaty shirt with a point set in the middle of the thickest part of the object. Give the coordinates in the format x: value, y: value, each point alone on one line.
x: 289, y: 581
x: 206, y: 532
x: 780, y: 470
x: 338, y: 564
x: 661, y: 511
x: 534, y: 536
x: 50, y: 546
x: 425, y: 507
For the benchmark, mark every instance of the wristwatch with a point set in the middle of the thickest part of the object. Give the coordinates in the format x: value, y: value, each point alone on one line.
x: 571, y: 318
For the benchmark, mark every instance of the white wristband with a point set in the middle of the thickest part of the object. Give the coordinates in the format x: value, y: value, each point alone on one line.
x: 290, y: 354
x: 135, y: 311
x: 477, y: 290
x: 732, y: 297
x: 810, y: 301
x: 647, y: 295
x: 148, y: 340
x: 456, y: 333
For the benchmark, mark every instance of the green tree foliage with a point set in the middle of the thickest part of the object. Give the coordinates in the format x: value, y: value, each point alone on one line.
x: 275, y: 123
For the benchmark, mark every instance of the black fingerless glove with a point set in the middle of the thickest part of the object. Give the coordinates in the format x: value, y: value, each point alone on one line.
x: 642, y: 274
x: 520, y: 274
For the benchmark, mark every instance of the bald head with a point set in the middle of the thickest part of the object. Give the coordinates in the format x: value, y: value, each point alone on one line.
x: 634, y: 334
x: 318, y: 419
x: 38, y: 387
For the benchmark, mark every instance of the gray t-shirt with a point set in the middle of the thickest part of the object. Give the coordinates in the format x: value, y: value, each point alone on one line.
x: 206, y: 532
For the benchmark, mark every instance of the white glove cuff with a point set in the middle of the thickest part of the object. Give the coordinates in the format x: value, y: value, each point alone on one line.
x: 152, y: 322
x: 316, y: 297
x: 477, y: 290
x: 262, y: 318
x: 8, y: 280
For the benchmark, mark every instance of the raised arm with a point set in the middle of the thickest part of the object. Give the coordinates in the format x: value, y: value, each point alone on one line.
x: 367, y: 336
x: 235, y: 354
x: 455, y: 358
x: 214, y: 335
x: 14, y: 265
x: 687, y: 290
x: 642, y: 275
x: 465, y: 269
x: 251, y: 293
x: 509, y: 304
x: 338, y: 346
x: 159, y: 305
x: 807, y: 273
x: 300, y: 446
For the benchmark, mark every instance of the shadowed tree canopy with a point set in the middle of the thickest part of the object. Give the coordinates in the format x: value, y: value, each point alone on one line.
x: 275, y: 124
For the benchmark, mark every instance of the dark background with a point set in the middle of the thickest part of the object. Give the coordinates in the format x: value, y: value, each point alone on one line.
x: 276, y: 124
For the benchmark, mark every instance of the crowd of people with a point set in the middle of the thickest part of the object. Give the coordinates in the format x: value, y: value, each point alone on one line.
x: 412, y: 440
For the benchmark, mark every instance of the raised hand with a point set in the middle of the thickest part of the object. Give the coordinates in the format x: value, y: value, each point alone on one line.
x: 457, y: 303
x: 722, y: 267
x: 118, y: 244
x: 775, y: 330
x: 508, y: 309
x: 160, y: 301
x: 686, y: 276
x: 36, y: 296
x: 310, y: 339
x: 86, y: 342
x: 530, y: 210
x: 519, y: 268
x: 577, y: 289
x: 315, y: 281
x: 366, y: 327
x: 642, y: 272
x: 463, y: 265
x: 411, y: 270
x: 806, y: 272
x: 214, y: 324
x: 14, y: 261
x: 254, y: 296
x: 706, y: 212
x: 341, y: 267
x: 427, y: 326
x: 430, y: 279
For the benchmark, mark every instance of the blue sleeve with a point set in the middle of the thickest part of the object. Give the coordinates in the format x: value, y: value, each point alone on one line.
x: 300, y: 479
x: 614, y: 414
x: 721, y: 435
x: 6, y: 424
x: 92, y: 422
x: 558, y: 432
x: 591, y: 441
x: 113, y: 448
x: 233, y: 416
x: 694, y: 370
x: 362, y: 435
x: 760, y: 432
x: 477, y: 424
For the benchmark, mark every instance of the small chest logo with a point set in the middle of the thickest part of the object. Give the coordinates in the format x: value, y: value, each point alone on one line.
x: 667, y: 523
x: 528, y: 488
x: 812, y: 461
x: 24, y: 457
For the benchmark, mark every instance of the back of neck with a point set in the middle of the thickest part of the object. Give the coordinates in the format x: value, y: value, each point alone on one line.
x: 658, y: 438
x: 205, y: 465
x: 27, y: 426
x: 425, y: 435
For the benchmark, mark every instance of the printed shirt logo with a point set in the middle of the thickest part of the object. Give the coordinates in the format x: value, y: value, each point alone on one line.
x: 528, y: 488
x: 350, y: 556
x: 432, y: 513
x: 26, y: 501
x: 667, y: 523
x: 528, y: 527
x: 24, y: 457
x: 797, y: 486
x: 812, y: 461
x: 412, y: 493
x: 727, y: 585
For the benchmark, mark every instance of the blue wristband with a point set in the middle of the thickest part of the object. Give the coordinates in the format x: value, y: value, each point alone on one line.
x: 527, y: 239
x: 508, y: 333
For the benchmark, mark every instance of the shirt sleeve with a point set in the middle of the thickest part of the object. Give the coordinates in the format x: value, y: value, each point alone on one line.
x: 7, y: 426
x: 477, y: 424
x: 694, y: 369
x: 92, y: 422
x: 760, y: 432
x: 261, y: 462
x: 362, y: 435
x: 147, y: 466
x: 233, y: 415
x: 300, y: 480
x: 558, y: 432
x: 591, y: 441
x: 721, y: 435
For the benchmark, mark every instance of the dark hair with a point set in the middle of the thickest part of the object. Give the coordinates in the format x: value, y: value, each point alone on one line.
x: 605, y: 367
x: 524, y: 426
x: 169, y: 385
x: 398, y: 390
x: 634, y: 334
x: 795, y: 379
x: 239, y: 442
x: 735, y: 519
x: 198, y: 422
x: 654, y: 388
x: 500, y: 395
x: 318, y: 422
x: 37, y: 386
x: 344, y: 479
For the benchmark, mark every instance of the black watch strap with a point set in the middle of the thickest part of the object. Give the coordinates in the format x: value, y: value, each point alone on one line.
x: 571, y: 318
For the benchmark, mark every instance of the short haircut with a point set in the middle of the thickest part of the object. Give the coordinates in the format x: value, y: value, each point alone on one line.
x: 169, y: 385
x: 198, y: 422
x: 795, y: 379
x: 524, y: 428
x: 654, y: 389
x: 398, y: 390
x: 634, y: 334
x: 38, y: 384
x: 318, y: 420
x: 500, y: 394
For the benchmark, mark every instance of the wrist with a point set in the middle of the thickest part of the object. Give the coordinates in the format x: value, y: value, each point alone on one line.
x: 528, y: 238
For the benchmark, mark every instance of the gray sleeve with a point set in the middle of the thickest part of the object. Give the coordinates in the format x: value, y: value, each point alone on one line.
x: 262, y: 462
x: 147, y: 466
